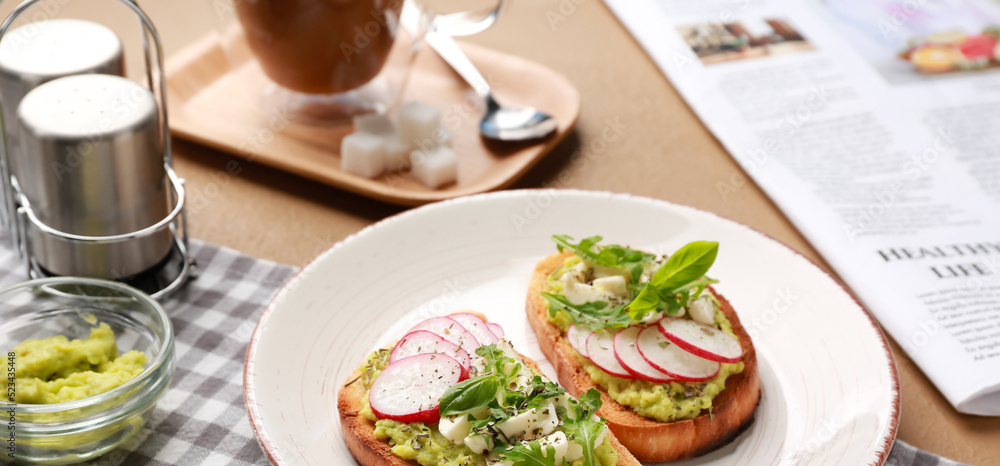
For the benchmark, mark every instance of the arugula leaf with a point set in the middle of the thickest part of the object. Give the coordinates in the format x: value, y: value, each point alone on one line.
x: 544, y: 389
x: 561, y: 303
x: 470, y: 395
x: 498, y: 360
x: 583, y: 429
x: 588, y: 403
x: 611, y: 255
x: 491, y: 352
x: 582, y: 249
x: 532, y: 454
x: 620, y: 257
x: 535, y: 394
x: 593, y: 315
x: 585, y: 432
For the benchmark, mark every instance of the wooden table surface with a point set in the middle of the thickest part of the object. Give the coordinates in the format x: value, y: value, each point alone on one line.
x: 665, y: 153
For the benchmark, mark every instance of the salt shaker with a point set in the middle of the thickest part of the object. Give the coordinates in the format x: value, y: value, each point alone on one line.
x: 41, y: 51
x: 93, y: 166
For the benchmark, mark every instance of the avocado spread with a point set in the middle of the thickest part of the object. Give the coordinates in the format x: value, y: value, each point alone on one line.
x: 57, y: 369
x: 664, y: 402
x: 424, y: 444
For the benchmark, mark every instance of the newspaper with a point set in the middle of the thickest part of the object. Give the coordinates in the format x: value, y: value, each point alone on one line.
x: 875, y: 126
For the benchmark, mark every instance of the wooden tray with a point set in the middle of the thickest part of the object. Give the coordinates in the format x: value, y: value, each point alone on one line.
x: 216, y: 103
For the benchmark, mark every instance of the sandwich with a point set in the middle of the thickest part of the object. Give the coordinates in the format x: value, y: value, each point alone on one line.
x: 676, y: 370
x: 454, y: 392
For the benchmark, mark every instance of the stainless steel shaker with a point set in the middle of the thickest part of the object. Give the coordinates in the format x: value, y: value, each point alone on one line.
x: 92, y: 190
x: 93, y: 165
x: 41, y: 51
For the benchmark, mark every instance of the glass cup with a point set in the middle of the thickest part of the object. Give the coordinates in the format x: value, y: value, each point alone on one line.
x: 328, y: 60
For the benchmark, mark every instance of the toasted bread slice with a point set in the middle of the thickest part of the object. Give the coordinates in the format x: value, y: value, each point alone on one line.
x: 648, y: 439
x: 359, y: 431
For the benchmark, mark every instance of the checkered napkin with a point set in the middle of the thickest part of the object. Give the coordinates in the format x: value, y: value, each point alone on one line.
x: 201, y: 419
x: 904, y: 454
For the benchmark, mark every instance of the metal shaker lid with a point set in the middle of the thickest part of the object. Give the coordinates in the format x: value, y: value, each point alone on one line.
x: 44, y: 50
x: 85, y: 106
x: 41, y: 51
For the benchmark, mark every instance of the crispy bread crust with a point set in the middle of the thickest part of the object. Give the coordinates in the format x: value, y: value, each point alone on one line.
x: 359, y: 432
x: 648, y: 439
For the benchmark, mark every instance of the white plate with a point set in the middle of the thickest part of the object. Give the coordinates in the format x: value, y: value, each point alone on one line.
x: 830, y: 392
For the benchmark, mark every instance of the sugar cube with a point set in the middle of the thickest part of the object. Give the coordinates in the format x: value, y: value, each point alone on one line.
x: 435, y: 168
x: 417, y: 123
x: 439, y: 138
x: 397, y: 153
x: 374, y: 123
x: 363, y: 154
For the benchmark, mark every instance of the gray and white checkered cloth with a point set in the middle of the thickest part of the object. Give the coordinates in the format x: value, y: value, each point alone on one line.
x: 201, y: 419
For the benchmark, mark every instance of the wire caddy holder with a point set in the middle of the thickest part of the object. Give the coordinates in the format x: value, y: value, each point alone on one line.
x: 18, y: 214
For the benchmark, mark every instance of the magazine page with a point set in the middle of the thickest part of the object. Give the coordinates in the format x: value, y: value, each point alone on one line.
x: 873, y: 126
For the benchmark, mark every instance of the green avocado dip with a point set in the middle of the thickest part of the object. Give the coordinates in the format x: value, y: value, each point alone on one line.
x: 663, y: 402
x: 57, y: 369
x: 426, y: 445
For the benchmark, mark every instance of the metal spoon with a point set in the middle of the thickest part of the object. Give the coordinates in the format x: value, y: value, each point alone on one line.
x: 499, y: 122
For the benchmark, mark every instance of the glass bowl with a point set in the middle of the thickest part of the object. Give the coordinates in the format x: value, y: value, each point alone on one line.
x: 84, y: 429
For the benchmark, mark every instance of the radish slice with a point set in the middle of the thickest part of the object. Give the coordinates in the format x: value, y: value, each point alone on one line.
x: 670, y: 359
x: 410, y: 389
x: 450, y: 330
x: 424, y: 342
x: 601, y: 352
x: 476, y: 326
x: 576, y: 335
x: 496, y: 329
x: 628, y: 355
x: 702, y: 340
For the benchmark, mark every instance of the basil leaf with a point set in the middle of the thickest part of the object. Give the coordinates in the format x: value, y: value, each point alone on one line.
x: 668, y: 288
x: 470, y: 395
x: 647, y: 301
x: 689, y: 263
